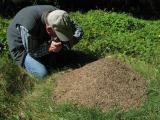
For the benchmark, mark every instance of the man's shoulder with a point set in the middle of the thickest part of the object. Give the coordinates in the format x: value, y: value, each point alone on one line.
x: 34, y: 11
x: 30, y: 15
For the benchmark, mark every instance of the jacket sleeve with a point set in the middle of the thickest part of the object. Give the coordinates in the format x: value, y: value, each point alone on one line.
x: 78, y: 33
x: 16, y: 47
x: 31, y: 46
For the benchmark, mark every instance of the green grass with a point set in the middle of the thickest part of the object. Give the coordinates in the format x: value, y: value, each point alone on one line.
x: 134, y: 41
x: 15, y: 83
x: 109, y: 32
x: 39, y: 104
x: 3, y: 29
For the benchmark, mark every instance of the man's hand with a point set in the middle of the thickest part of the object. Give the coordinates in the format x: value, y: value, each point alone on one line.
x: 55, y: 46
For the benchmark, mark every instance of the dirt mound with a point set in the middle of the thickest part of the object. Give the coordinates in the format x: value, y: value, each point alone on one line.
x: 104, y: 83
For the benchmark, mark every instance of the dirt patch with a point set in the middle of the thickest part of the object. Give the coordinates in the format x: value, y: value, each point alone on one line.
x: 105, y: 83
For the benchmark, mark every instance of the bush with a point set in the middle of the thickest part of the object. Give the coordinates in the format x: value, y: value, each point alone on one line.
x: 109, y: 32
x: 3, y: 42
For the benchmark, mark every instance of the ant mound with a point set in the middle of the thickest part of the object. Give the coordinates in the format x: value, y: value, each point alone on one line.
x: 105, y: 83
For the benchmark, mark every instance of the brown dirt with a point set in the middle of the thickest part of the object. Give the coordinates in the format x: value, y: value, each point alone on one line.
x: 105, y: 83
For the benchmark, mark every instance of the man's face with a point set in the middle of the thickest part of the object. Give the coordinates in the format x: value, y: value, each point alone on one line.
x: 54, y: 36
x: 52, y: 33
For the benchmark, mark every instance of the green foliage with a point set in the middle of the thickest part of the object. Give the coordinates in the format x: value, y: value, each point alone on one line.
x: 3, y: 29
x: 110, y: 32
x: 14, y: 84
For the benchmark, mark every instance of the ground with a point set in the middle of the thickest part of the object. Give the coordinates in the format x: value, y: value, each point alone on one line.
x: 104, y: 83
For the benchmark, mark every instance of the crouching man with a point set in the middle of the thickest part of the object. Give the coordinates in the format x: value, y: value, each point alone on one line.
x: 36, y: 33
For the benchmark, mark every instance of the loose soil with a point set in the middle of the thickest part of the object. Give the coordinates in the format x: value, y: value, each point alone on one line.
x: 105, y: 83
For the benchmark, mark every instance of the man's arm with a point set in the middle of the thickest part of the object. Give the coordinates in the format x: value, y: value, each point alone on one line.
x: 30, y: 45
x: 78, y: 33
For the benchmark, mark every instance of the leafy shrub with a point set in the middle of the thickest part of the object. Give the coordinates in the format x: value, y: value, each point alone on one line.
x: 3, y: 30
x: 110, y: 32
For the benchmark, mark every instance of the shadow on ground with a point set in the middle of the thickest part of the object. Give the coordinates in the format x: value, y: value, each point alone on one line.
x: 72, y: 59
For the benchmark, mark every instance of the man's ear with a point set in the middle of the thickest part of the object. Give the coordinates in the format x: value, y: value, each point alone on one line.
x: 49, y: 30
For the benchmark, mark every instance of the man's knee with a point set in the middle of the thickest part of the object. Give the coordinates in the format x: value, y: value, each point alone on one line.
x: 40, y: 73
x: 35, y: 67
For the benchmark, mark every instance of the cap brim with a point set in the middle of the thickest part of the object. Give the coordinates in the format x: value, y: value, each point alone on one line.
x: 64, y: 36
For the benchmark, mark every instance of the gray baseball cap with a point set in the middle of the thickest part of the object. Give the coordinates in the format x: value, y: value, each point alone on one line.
x: 61, y: 23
